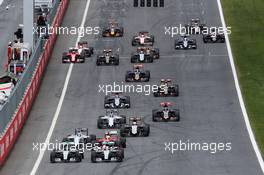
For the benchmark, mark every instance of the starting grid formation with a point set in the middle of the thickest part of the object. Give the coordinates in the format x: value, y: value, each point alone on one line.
x: 148, y: 3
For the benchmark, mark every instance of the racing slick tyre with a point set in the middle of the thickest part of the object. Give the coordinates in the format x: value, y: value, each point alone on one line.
x: 116, y: 62
x: 82, y: 155
x: 52, y: 157
x: 93, y: 156
x: 92, y: 137
x: 146, y: 131
x: 176, y: 90
x: 154, y: 115
x: 78, y: 157
x: 127, y: 78
x: 147, y: 76
x: 123, y: 120
x: 133, y: 42
x: 157, y: 53
x: 99, y: 124
x: 122, y: 132
x: 156, y: 94
x: 177, y: 113
x: 119, y: 156
x: 123, y: 142
x: 98, y: 63
x: 133, y: 59
x: 128, y: 101
x: 150, y: 59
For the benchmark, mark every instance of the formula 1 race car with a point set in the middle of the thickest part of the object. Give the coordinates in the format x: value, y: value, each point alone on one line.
x: 111, y: 119
x: 113, y: 30
x: 112, y: 136
x: 80, y: 137
x: 143, y: 39
x: 185, y: 43
x: 73, y: 56
x: 214, y: 37
x: 136, y: 127
x: 116, y: 100
x: 166, y: 113
x: 145, y: 55
x: 7, y: 84
x: 83, y: 48
x: 107, y: 153
x: 138, y: 74
x: 194, y: 27
x: 167, y: 89
x: 107, y: 58
x: 65, y: 153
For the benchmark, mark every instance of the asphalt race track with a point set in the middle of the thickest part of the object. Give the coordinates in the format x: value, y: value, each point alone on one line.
x: 9, y: 21
x: 208, y: 103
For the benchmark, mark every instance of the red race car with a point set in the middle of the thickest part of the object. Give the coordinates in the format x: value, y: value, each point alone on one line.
x: 74, y: 55
x: 114, y: 137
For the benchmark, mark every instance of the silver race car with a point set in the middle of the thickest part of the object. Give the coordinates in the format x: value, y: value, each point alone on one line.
x: 66, y: 152
x: 185, y: 43
x: 117, y: 100
x: 80, y: 136
x: 107, y: 152
x: 145, y: 55
x: 111, y: 119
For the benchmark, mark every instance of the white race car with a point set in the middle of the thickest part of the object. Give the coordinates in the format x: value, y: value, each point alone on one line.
x: 111, y: 119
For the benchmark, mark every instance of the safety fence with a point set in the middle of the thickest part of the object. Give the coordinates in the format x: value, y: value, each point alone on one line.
x: 14, y: 113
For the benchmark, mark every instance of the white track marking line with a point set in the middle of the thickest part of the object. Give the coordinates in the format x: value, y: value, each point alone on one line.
x: 240, y: 97
x: 56, y: 115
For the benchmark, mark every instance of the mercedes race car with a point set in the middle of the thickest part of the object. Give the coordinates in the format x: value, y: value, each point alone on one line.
x: 85, y: 49
x: 138, y: 74
x: 166, y: 113
x: 185, y: 43
x: 145, y: 55
x: 116, y: 100
x: 194, y: 27
x: 74, y: 55
x: 112, y: 136
x: 113, y: 30
x: 111, y: 119
x: 107, y: 58
x: 214, y: 37
x: 80, y: 136
x: 107, y: 153
x: 136, y: 127
x: 66, y: 153
x: 167, y: 89
x: 143, y: 39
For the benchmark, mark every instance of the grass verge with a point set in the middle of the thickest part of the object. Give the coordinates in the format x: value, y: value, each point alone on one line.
x: 247, y: 41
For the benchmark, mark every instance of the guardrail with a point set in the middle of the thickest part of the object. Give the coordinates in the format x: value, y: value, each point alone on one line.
x: 16, y: 110
x: 8, y: 109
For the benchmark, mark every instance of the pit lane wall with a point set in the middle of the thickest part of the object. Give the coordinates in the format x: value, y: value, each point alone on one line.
x: 12, y: 130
